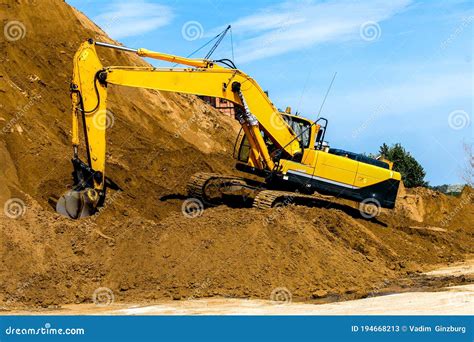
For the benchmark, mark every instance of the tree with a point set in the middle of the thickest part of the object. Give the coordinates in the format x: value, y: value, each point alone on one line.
x: 412, y: 172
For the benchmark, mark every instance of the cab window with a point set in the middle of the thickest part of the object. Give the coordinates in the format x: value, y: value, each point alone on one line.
x: 301, y: 129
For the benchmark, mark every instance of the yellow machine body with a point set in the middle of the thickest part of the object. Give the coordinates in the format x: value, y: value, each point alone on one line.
x: 283, y: 148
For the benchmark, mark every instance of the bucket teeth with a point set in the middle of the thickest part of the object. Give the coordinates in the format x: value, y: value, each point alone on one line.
x: 78, y: 204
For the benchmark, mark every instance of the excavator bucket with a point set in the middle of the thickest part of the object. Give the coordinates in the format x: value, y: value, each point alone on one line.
x: 82, y: 200
x: 78, y: 204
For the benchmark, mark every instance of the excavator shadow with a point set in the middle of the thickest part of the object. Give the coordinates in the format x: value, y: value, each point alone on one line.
x: 231, y: 201
x: 347, y: 209
x: 173, y: 197
x: 242, y: 201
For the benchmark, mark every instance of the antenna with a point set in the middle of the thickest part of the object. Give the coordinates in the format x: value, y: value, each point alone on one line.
x: 314, y: 123
x: 326, y: 96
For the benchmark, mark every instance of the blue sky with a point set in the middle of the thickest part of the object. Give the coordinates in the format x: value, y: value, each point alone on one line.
x: 404, y: 68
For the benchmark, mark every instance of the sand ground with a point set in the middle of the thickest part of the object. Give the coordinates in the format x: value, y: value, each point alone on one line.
x: 455, y: 300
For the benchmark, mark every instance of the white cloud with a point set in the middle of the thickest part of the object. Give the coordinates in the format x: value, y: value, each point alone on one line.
x: 123, y: 19
x: 293, y: 26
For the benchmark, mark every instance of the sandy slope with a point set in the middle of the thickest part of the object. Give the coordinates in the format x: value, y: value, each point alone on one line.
x: 141, y: 246
x: 455, y: 300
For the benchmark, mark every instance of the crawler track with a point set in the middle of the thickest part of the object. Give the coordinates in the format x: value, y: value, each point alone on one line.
x: 209, y: 187
x: 272, y: 198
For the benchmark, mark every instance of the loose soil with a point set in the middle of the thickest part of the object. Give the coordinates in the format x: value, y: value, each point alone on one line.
x: 140, y: 245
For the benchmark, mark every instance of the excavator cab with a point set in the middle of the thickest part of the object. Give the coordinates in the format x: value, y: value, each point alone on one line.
x: 301, y: 127
x: 243, y: 152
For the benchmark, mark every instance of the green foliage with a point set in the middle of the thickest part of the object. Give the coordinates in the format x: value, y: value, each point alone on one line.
x: 412, y: 172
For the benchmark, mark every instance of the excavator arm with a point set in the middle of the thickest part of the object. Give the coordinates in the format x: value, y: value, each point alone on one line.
x: 205, y: 77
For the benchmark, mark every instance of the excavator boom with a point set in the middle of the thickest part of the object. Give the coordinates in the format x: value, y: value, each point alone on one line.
x: 204, y: 77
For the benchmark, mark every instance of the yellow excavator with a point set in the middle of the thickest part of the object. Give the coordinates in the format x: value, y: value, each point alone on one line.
x: 286, y: 152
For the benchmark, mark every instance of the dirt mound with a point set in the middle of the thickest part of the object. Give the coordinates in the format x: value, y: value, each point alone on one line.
x: 312, y: 253
x: 410, y: 205
x: 156, y: 141
x: 433, y: 207
x: 467, y: 194
x: 141, y: 246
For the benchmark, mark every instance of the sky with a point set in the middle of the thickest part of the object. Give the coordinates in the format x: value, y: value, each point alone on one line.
x: 404, y: 68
